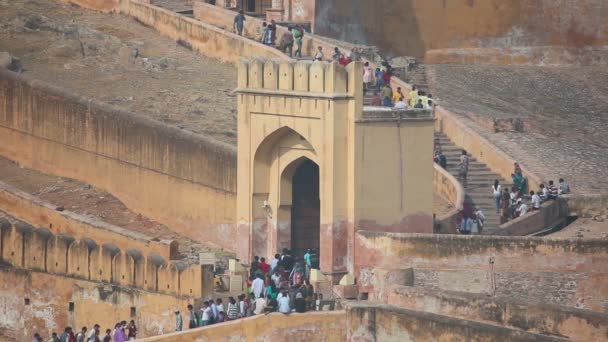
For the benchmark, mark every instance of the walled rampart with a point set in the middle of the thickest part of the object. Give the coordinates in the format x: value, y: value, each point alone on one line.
x: 317, y: 326
x: 547, y: 319
x: 34, y: 301
x: 37, y: 212
x: 552, y: 214
x: 447, y: 186
x: 564, y: 272
x: 371, y: 322
x: 183, y: 180
x: 27, y: 247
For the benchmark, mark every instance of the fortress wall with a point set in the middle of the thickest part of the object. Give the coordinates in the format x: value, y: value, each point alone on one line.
x: 564, y: 272
x: 368, y: 322
x: 202, y: 37
x: 50, y: 296
x: 312, y: 326
x: 31, y: 209
x: 26, y: 247
x: 576, y: 324
x: 177, y: 178
x: 473, y: 31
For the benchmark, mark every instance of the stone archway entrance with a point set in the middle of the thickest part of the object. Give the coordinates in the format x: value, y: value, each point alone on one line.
x: 305, y: 209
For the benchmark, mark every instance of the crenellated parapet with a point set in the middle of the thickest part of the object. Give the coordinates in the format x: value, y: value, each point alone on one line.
x: 302, y: 78
x: 38, y: 249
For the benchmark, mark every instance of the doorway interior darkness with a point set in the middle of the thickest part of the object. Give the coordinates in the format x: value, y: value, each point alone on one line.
x: 305, y: 209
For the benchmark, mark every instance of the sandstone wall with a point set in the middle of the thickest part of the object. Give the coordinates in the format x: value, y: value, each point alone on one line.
x: 389, y: 323
x: 180, y: 179
x: 547, y: 319
x: 25, y: 247
x: 564, y: 272
x: 473, y: 31
x: 314, y: 326
x: 32, y: 301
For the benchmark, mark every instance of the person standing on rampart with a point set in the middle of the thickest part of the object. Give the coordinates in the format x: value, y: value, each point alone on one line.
x: 239, y: 23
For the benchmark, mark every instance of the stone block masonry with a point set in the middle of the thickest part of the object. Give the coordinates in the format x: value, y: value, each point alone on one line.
x: 183, y: 180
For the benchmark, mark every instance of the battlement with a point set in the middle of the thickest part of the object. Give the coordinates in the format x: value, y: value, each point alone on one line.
x: 302, y: 78
x: 374, y: 114
x: 38, y: 249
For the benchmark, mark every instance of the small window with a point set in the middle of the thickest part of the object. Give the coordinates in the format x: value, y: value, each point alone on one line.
x: 26, y: 301
x: 133, y: 312
x: 71, y: 306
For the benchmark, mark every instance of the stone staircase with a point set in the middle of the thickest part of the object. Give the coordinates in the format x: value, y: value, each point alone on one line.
x: 417, y: 76
x: 480, y: 181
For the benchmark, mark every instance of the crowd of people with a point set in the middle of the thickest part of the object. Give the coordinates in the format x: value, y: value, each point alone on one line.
x: 122, y: 332
x: 279, y: 286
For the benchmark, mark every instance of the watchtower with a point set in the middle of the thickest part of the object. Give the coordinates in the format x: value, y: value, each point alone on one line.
x: 314, y: 167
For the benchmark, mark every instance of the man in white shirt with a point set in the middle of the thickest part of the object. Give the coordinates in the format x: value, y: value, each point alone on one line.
x: 400, y: 104
x: 284, y: 305
x: 259, y: 305
x: 206, y: 314
x: 257, y: 286
x: 535, y: 200
x: 522, y: 208
x: 93, y: 335
x: 274, y: 262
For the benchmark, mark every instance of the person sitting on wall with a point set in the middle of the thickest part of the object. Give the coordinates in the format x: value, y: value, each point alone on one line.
x: 419, y: 105
x: 535, y: 200
x: 239, y: 23
x: 413, y: 96
x: 552, y: 191
x: 564, y: 187
x: 522, y: 208
x: 344, y: 61
x: 400, y: 104
x: 397, y: 95
x: 268, y: 33
x: 337, y: 55
x: 262, y: 32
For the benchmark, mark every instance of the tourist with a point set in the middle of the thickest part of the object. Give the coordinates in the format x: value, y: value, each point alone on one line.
x: 344, y: 60
x: 299, y: 303
x: 81, y: 336
x: 263, y: 267
x: 368, y: 76
x: 386, y: 94
x: 319, y: 54
x: 307, y: 262
x: 314, y: 258
x: 376, y: 100
x: 191, y: 317
x: 242, y: 306
x: 297, y: 273
x: 259, y: 305
x: 262, y: 32
x: 522, y: 208
x: 286, y: 260
x: 505, y: 201
x: 132, y: 330
x: 53, y: 338
x: 337, y: 55
x: 419, y: 105
x: 284, y: 303
x: 564, y: 188
x: 179, y: 321
x: 37, y: 338
x: 257, y: 287
x: 431, y: 100
x: 400, y: 104
x: 287, y: 42
x: 233, y: 309
x: 440, y: 158
x: 422, y: 97
x: 308, y: 291
x: 268, y: 34
x: 463, y: 168
x: 271, y: 304
x: 108, y: 336
x: 94, y: 334
x: 513, y: 196
x: 398, y: 95
x: 379, y: 75
x: 276, y: 277
x: 354, y: 55
x: 544, y: 193
x: 386, y: 76
x: 206, y: 314
x: 480, y: 219
x: 497, y: 193
x: 273, y: 32
x: 413, y: 97
x: 535, y: 200
x: 255, y: 265
x: 239, y: 23
x: 552, y: 191
x: 271, y: 290
x: 119, y: 334
x: 298, y: 34
x: 68, y: 335
x: 214, y: 312
x: 274, y: 262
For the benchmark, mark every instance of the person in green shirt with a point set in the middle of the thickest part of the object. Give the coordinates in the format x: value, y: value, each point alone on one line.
x: 386, y: 93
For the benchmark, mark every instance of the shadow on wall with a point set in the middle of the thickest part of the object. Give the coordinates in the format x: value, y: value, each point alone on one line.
x: 357, y: 21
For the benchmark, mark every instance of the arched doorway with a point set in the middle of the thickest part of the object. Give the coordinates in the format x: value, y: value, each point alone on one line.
x: 305, y: 209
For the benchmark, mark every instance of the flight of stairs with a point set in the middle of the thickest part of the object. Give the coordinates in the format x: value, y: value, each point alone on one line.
x: 417, y: 77
x: 480, y: 181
